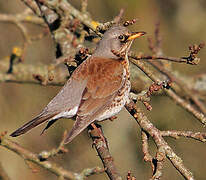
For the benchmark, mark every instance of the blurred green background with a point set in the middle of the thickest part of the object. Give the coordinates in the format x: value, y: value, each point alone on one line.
x: 182, y: 23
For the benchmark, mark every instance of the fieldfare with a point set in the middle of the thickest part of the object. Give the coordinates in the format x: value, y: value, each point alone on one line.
x: 97, y: 90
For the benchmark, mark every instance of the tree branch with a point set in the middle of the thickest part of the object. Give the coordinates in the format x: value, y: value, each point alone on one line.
x: 155, y: 77
x: 26, y: 73
x: 102, y: 149
x: 188, y: 134
x: 48, y: 165
x: 161, y: 144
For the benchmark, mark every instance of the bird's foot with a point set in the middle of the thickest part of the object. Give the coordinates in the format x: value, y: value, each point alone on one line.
x: 98, y: 135
x: 113, y: 118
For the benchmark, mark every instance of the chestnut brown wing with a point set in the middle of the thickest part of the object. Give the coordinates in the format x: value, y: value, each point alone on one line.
x: 105, y: 78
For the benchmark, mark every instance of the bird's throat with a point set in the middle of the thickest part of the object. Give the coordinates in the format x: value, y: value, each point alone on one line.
x: 125, y: 64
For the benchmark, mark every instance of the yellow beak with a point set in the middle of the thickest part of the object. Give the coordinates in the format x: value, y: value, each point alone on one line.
x: 135, y: 35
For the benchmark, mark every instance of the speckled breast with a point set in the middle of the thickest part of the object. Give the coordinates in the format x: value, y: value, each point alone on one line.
x: 121, y: 98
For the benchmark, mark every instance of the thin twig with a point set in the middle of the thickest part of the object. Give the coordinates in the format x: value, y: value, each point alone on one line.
x: 32, y: 5
x: 145, y: 147
x: 181, y: 84
x: 187, y: 106
x: 102, y: 149
x: 23, y: 73
x: 44, y: 155
x: 188, y: 134
x: 180, y: 101
x: 21, y: 17
x: 158, y: 162
x: 118, y: 18
x: 156, y: 57
x: 84, y: 4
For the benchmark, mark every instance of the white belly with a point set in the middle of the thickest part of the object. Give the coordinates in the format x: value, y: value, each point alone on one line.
x: 66, y: 114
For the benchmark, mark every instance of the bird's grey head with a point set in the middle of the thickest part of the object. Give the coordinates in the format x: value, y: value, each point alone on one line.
x: 117, y: 38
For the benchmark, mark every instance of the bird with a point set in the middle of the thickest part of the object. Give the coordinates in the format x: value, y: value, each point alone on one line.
x: 97, y: 89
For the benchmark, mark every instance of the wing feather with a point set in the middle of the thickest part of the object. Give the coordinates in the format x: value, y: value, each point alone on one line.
x: 102, y: 87
x: 31, y: 124
x: 68, y: 98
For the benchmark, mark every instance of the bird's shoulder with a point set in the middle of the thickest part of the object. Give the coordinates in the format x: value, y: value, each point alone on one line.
x: 98, y: 68
x: 104, y: 76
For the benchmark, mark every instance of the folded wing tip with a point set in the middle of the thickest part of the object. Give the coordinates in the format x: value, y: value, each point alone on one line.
x: 15, y: 134
x: 66, y: 141
x: 69, y: 138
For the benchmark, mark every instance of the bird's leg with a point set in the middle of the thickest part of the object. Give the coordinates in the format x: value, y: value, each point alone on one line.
x: 98, y: 130
x: 113, y: 118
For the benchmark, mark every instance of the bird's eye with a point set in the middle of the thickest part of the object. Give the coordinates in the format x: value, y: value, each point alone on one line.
x: 122, y: 38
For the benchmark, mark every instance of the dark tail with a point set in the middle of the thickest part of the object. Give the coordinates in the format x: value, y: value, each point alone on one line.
x: 31, y: 124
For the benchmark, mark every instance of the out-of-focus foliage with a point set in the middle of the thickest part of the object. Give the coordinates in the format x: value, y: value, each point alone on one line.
x: 182, y: 23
